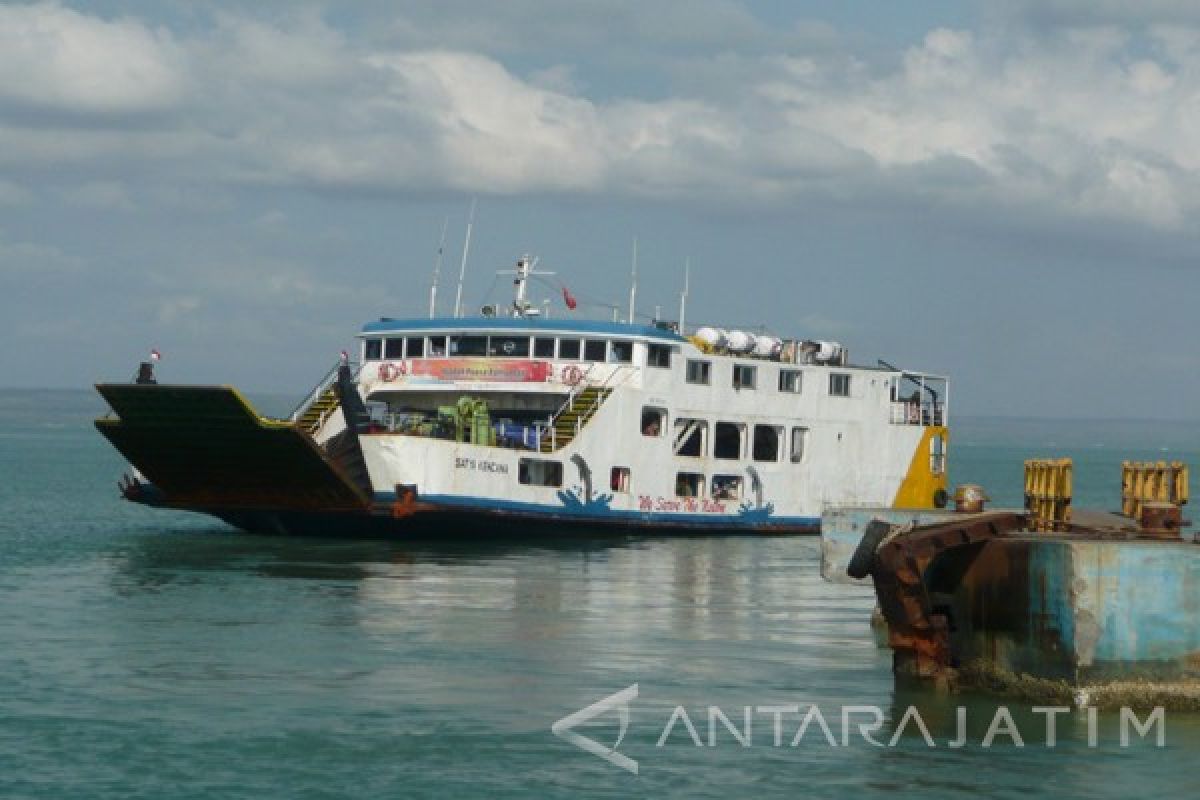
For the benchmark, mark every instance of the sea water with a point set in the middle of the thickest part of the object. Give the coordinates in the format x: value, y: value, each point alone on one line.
x: 156, y: 654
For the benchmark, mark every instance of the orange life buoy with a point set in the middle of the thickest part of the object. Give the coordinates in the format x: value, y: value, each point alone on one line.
x: 389, y: 371
x: 572, y: 375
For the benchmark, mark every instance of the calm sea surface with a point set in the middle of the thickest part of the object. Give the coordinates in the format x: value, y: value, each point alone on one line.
x: 153, y: 654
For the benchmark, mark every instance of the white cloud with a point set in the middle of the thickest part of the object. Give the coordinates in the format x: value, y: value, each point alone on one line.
x: 1091, y: 124
x: 53, y: 57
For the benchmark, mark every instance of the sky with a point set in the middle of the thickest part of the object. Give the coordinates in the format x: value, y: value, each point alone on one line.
x: 1001, y: 192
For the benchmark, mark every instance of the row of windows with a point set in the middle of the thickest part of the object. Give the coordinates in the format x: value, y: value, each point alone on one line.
x: 544, y: 472
x: 732, y: 441
x: 745, y: 376
x: 501, y: 346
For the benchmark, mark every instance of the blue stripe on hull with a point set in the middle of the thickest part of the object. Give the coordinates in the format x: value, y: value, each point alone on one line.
x: 750, y: 521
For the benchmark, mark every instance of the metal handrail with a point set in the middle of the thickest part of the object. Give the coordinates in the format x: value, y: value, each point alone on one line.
x: 320, y: 389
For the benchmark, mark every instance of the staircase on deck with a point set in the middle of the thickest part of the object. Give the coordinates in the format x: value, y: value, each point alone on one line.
x: 312, y: 418
x: 571, y: 419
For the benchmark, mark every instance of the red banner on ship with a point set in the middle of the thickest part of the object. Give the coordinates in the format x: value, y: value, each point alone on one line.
x: 481, y: 369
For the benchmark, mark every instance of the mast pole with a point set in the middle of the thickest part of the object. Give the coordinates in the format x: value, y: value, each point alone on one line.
x: 437, y: 271
x: 687, y: 276
x: 462, y: 270
x: 633, y: 284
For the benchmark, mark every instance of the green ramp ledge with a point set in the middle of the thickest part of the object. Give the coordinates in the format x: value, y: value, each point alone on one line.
x: 205, y: 447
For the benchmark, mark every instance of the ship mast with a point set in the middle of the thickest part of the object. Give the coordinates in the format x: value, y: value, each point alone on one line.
x: 521, y: 306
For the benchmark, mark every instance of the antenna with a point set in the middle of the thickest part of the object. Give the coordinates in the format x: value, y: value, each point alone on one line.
x: 462, y: 270
x: 437, y: 271
x: 687, y: 276
x: 526, y: 269
x: 633, y: 285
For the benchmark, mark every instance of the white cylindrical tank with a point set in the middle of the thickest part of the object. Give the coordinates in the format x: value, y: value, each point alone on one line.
x: 741, y: 342
x: 767, y: 346
x: 828, y: 351
x: 711, y: 336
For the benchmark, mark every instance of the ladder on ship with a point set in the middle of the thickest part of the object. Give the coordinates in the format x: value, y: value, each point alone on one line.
x: 567, y: 424
x: 316, y: 414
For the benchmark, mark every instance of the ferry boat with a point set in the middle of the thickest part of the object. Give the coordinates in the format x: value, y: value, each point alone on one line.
x: 512, y: 419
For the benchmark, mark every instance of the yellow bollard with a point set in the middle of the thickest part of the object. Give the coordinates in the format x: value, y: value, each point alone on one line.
x: 1048, y: 487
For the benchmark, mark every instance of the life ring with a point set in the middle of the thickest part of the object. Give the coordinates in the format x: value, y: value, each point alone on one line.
x: 572, y: 375
x: 388, y: 371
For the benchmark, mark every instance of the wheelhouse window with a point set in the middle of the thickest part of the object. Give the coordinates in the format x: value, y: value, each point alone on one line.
x: 726, y: 487
x: 539, y: 472
x: 372, y: 349
x: 653, y: 421
x: 689, y: 437
x: 789, y: 380
x: 727, y: 440
x: 568, y: 349
x: 414, y: 346
x: 594, y: 349
x: 799, y: 441
x: 468, y: 345
x: 508, y: 346
x: 689, y: 484
x: 839, y: 384
x: 393, y: 348
x: 543, y: 347
x: 699, y: 371
x: 744, y: 376
x: 437, y: 346
x: 621, y: 352
x: 766, y: 442
x: 658, y: 355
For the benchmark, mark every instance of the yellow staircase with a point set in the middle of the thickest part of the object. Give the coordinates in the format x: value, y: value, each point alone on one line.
x: 571, y: 420
x: 318, y: 411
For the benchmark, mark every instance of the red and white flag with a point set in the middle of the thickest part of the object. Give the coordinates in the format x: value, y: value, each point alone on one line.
x: 569, y: 300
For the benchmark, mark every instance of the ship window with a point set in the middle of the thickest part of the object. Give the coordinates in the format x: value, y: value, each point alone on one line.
x: 539, y: 472
x: 653, y: 421
x: 689, y: 437
x: 766, y: 442
x: 568, y: 349
x: 437, y: 346
x: 937, y: 455
x: 543, y: 347
x: 622, y: 352
x: 689, y: 484
x: 699, y: 371
x: 727, y: 440
x: 415, y: 346
x: 393, y: 348
x: 509, y: 346
x: 799, y: 440
x: 619, y: 482
x: 839, y: 384
x: 726, y: 487
x: 468, y: 345
x: 743, y: 376
x: 373, y: 350
x: 789, y: 380
x: 594, y: 349
x: 658, y: 355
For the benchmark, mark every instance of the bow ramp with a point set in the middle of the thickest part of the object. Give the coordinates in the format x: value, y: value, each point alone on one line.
x: 205, y: 448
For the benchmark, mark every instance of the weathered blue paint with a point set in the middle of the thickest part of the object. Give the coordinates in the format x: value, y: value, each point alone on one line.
x: 1082, y: 609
